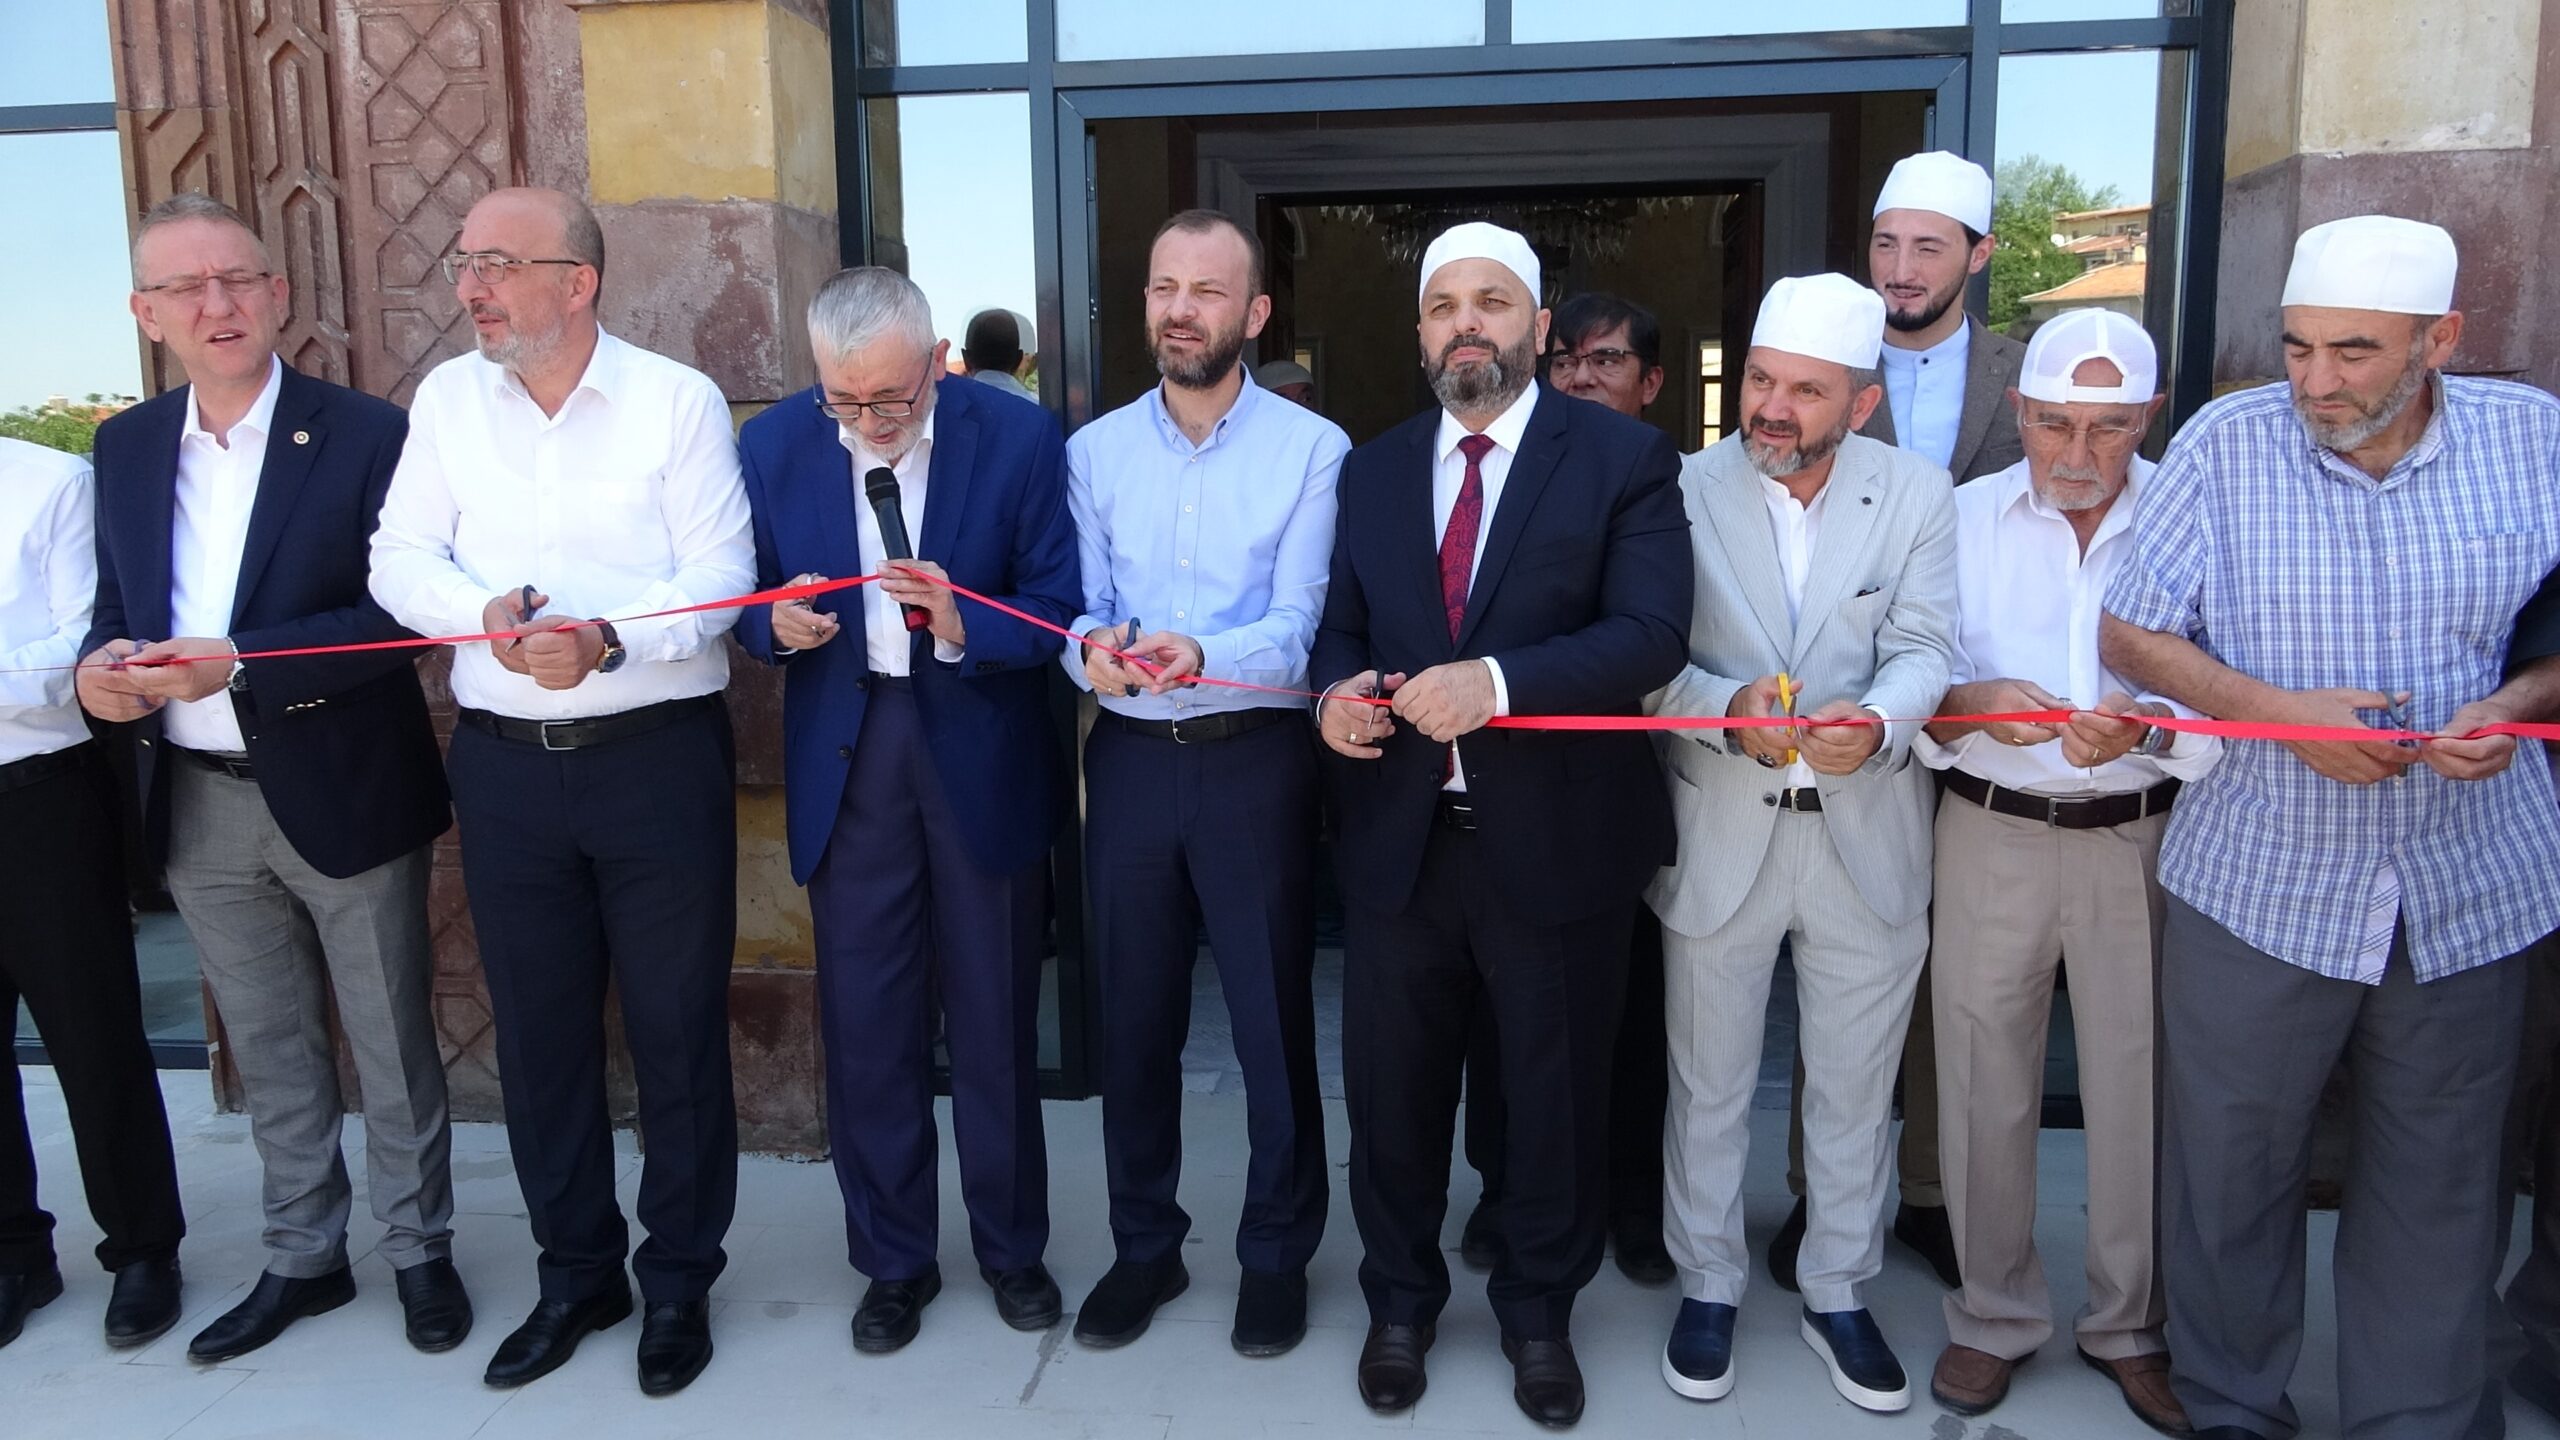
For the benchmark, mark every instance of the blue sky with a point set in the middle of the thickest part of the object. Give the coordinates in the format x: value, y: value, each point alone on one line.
x: 62, y: 265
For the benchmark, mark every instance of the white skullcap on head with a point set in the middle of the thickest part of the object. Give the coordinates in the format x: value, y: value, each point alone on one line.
x: 1477, y: 240
x: 2373, y: 262
x: 1826, y: 317
x: 2074, y: 338
x: 1943, y: 184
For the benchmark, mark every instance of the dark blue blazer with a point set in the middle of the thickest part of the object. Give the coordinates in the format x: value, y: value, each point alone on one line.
x: 345, y: 754
x: 995, y: 518
x: 1581, y: 593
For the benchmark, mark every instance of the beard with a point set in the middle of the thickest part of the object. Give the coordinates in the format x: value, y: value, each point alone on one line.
x: 1482, y: 385
x: 2049, y: 489
x: 2371, y: 420
x: 1218, y: 354
x: 1778, y: 463
x: 1909, y: 321
x: 523, y: 348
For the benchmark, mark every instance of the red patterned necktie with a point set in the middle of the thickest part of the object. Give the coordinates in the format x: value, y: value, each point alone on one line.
x: 1458, y: 542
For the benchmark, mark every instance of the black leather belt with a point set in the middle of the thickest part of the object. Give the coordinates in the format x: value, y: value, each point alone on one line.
x: 588, y: 730
x: 1803, y: 799
x: 1217, y: 725
x: 1454, y: 813
x: 2097, y: 812
x: 235, y: 766
x: 36, y: 769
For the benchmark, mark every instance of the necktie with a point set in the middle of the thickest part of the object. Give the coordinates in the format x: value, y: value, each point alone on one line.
x: 1458, y: 542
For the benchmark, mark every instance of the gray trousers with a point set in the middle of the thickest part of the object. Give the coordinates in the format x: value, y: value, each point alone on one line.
x: 276, y: 938
x: 1854, y: 979
x: 2249, y: 1042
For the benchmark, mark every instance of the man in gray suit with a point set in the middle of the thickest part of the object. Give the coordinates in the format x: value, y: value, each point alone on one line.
x: 1825, y: 571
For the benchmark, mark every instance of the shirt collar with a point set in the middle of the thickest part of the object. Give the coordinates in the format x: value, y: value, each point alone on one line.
x: 262, y: 412
x: 1248, y: 395
x: 852, y: 442
x: 1505, y: 431
x: 1952, y: 348
x: 603, y: 375
x: 2018, y: 491
x: 2442, y: 429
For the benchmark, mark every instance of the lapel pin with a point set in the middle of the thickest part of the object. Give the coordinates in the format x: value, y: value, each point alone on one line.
x: 301, y: 437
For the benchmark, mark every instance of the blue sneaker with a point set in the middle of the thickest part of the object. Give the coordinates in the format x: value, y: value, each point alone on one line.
x: 1862, y: 1366
x: 1698, y: 1360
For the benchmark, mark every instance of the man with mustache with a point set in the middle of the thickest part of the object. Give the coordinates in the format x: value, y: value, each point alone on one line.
x: 558, y: 473
x: 1511, y: 551
x: 1826, y: 589
x: 2347, y: 549
x: 1204, y: 512
x: 2047, y: 844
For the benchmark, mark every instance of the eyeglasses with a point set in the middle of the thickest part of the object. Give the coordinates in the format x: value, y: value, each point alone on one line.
x: 1601, y: 362
x: 192, y: 288
x: 489, y: 268
x: 885, y: 409
x: 2103, y: 439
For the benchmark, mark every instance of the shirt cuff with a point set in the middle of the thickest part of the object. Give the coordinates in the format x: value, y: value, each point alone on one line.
x: 1501, y: 692
x: 1891, y: 732
x: 948, y: 653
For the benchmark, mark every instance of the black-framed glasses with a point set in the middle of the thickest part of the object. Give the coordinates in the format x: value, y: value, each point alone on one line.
x: 1604, y: 361
x: 2103, y: 439
x: 489, y: 267
x: 192, y: 288
x: 885, y: 409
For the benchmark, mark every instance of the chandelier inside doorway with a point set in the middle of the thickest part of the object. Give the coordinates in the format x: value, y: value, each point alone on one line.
x: 1592, y: 228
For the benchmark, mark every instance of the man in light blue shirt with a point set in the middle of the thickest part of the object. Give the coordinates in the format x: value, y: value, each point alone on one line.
x: 1205, y: 512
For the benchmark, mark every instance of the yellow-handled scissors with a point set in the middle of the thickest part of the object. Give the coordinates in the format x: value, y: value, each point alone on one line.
x: 1787, y: 706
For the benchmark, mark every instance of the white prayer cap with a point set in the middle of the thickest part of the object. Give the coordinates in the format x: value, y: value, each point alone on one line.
x: 1943, y: 184
x: 2373, y: 262
x: 1827, y: 317
x: 2074, y: 338
x: 1477, y: 240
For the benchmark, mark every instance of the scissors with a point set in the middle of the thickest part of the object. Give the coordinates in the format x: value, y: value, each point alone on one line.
x: 1131, y: 691
x: 1787, y: 705
x: 524, y: 612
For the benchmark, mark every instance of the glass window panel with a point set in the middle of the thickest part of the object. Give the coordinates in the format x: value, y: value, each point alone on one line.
x: 56, y: 53
x: 67, y: 279
x: 1547, y: 21
x: 944, y: 32
x: 951, y: 202
x: 1149, y: 29
x: 2027, y: 12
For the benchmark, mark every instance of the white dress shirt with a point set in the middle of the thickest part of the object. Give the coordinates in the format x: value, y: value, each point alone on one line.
x: 625, y: 502
x: 2027, y: 608
x: 884, y: 628
x: 208, y: 536
x: 1448, y: 477
x: 47, y: 500
x: 1795, y: 527
x: 1926, y: 390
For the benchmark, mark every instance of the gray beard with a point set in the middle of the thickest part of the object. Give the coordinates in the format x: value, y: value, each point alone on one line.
x: 2069, y: 504
x: 2353, y: 435
x: 1489, y: 385
x: 522, y: 350
x: 1778, y: 464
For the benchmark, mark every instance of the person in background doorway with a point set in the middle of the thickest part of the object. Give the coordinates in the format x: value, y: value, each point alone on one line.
x: 994, y: 350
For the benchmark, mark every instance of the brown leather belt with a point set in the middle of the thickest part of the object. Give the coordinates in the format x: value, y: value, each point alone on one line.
x: 2096, y: 812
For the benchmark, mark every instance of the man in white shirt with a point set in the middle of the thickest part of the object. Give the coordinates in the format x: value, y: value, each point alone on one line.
x: 559, y: 477
x: 66, y: 940
x: 2048, y: 848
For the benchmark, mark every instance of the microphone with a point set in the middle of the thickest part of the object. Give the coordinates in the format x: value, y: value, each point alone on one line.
x: 880, y: 487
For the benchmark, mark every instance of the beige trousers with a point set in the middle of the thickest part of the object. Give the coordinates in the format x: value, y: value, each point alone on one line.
x: 2015, y: 898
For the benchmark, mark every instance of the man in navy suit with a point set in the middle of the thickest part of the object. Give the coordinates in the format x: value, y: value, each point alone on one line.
x: 922, y: 775
x: 1507, y: 865
x: 294, y: 798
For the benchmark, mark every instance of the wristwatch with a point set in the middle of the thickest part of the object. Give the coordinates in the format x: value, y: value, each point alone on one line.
x: 613, y: 656
x: 238, y: 684
x: 2155, y: 742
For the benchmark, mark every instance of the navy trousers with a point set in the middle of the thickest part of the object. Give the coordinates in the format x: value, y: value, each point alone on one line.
x: 1220, y: 833
x: 904, y: 913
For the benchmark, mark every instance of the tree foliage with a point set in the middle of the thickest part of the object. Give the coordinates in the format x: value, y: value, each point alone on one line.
x: 2032, y: 191
x: 70, y: 428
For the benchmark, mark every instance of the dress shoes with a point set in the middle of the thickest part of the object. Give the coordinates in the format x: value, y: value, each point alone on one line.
x: 1125, y: 1302
x: 892, y: 1311
x: 1863, y: 1368
x: 1783, y: 1247
x: 433, y: 1305
x: 23, y: 1292
x: 1026, y: 1299
x: 144, y: 1303
x: 1271, y: 1312
x: 1391, y: 1374
x: 1697, y: 1361
x: 1546, y: 1381
x: 1635, y: 1241
x: 1925, y: 1229
x: 2144, y: 1379
x: 1969, y: 1381
x: 277, y: 1301
x: 550, y: 1335
x: 675, y: 1343
x: 1480, y: 1243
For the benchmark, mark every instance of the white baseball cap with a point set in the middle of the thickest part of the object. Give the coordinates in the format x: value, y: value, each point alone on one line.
x: 2075, y: 337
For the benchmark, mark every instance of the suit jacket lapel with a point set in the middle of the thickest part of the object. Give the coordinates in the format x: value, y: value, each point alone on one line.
x: 146, y: 593
x: 1733, y: 504
x: 1848, y: 513
x: 1414, y: 543
x: 294, y: 440
x: 1986, y: 388
x: 825, y: 467
x: 1541, y: 447
x: 954, y: 459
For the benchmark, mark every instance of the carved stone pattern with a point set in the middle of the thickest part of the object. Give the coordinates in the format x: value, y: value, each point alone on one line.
x: 430, y: 119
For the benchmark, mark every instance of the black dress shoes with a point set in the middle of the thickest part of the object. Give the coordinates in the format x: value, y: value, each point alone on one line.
x: 434, y: 1305
x: 1026, y: 1299
x: 1636, y: 1242
x: 675, y: 1343
x: 1126, y: 1300
x: 1480, y: 1244
x: 23, y: 1292
x: 550, y: 1335
x: 1783, y: 1248
x: 277, y: 1301
x: 1391, y: 1374
x: 1271, y: 1312
x: 144, y: 1304
x: 1546, y: 1381
x: 1926, y: 1230
x: 892, y: 1311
